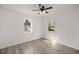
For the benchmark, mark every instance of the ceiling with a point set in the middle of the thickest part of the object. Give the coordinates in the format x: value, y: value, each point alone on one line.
x: 27, y: 8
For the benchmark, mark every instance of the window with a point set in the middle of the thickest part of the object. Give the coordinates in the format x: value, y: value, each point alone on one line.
x: 51, y: 26
x: 27, y: 25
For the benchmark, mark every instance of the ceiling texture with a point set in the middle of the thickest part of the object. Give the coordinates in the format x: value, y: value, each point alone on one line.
x: 27, y: 8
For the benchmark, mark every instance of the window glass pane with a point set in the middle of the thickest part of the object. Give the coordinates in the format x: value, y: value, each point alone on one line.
x: 51, y: 25
x: 27, y: 25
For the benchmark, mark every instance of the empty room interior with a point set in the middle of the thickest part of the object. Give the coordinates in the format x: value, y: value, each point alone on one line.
x: 39, y: 28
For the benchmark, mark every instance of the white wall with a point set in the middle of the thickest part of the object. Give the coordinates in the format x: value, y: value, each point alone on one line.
x: 67, y: 29
x: 12, y: 28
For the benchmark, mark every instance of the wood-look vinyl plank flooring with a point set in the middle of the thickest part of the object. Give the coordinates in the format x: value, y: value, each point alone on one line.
x: 39, y: 46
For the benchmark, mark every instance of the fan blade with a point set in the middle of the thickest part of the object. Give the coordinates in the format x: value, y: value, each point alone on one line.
x: 48, y: 8
x: 39, y: 4
x: 35, y: 10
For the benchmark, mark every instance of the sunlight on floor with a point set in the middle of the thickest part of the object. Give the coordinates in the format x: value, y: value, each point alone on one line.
x: 54, y: 40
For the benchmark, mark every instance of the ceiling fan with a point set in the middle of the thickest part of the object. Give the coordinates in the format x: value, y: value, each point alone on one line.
x: 42, y: 9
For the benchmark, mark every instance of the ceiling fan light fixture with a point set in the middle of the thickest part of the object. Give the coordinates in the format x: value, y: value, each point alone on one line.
x: 42, y: 9
x: 41, y: 12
